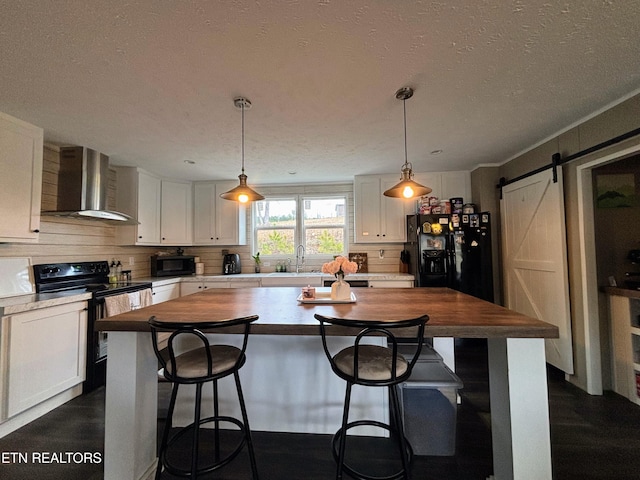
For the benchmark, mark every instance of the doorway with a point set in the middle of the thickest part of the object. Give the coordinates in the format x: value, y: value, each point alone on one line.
x: 592, y: 246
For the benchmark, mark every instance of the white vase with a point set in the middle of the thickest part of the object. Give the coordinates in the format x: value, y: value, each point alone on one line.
x: 340, y: 290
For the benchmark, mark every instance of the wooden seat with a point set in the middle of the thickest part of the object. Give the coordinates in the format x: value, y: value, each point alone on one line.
x: 373, y: 366
x: 207, y: 363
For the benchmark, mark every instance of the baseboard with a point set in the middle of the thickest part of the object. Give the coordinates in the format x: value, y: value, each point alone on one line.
x: 20, y: 420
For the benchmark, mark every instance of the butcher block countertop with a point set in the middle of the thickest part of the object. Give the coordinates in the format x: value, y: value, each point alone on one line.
x: 452, y: 314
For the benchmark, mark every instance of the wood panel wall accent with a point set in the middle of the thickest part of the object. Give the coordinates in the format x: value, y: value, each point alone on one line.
x: 66, y: 240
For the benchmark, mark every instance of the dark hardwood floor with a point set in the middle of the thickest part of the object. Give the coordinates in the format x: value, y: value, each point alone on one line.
x: 591, y: 437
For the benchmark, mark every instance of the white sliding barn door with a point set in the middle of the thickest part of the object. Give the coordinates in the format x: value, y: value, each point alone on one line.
x: 535, y: 258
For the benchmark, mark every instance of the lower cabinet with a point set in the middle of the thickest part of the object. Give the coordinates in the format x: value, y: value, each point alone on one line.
x: 164, y: 293
x: 189, y: 288
x: 390, y: 284
x: 43, y: 354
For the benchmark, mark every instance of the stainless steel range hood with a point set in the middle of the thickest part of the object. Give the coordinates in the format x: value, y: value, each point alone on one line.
x: 83, y: 185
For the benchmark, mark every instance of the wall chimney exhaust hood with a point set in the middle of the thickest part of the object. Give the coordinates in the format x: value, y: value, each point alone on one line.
x: 83, y: 185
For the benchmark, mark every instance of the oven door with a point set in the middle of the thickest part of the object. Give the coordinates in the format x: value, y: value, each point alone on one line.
x: 96, y: 371
x: 97, y: 342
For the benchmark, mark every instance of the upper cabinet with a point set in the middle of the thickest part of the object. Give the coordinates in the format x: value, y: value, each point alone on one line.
x: 217, y: 221
x: 163, y: 208
x: 138, y: 195
x: 20, y: 180
x: 446, y: 185
x: 176, y: 213
x: 378, y: 219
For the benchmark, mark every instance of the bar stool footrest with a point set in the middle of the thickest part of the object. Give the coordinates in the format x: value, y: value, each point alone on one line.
x: 361, y: 476
x: 188, y: 429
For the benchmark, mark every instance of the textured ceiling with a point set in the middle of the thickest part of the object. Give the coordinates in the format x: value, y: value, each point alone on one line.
x: 151, y: 83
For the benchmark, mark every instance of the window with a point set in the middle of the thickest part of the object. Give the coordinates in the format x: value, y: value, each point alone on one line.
x: 323, y: 226
x: 275, y: 226
x: 318, y: 223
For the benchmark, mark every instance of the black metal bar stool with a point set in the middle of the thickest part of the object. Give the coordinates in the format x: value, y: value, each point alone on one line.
x: 208, y: 363
x: 373, y: 366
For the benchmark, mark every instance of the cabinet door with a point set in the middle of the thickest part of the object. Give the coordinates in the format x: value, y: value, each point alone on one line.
x: 456, y: 184
x: 367, y: 209
x: 390, y: 284
x: 164, y: 293
x: 379, y: 219
x: 176, y: 213
x: 20, y: 180
x: 230, y: 218
x: 393, y: 212
x: 47, y: 354
x: 217, y: 221
x: 148, y: 232
x: 204, y: 204
x: 189, y: 288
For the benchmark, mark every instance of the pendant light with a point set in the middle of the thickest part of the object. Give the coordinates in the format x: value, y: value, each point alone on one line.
x: 406, y: 188
x: 242, y: 193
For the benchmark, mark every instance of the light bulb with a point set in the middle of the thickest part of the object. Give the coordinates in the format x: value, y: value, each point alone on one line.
x: 407, y: 192
x: 243, y: 198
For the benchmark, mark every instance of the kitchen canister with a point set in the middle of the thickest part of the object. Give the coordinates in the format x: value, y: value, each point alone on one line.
x: 199, y: 268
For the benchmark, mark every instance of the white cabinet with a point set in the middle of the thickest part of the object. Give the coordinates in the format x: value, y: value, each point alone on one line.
x: 176, y: 213
x: 44, y: 354
x: 20, y: 180
x: 164, y: 209
x: 217, y: 221
x: 379, y: 219
x: 138, y: 194
x: 188, y: 288
x: 390, y: 284
x: 166, y: 292
x: 446, y: 185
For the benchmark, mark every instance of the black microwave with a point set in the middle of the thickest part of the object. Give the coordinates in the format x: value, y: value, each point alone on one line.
x: 166, y: 266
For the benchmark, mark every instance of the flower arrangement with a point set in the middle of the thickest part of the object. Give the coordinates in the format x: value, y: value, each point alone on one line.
x: 340, y: 266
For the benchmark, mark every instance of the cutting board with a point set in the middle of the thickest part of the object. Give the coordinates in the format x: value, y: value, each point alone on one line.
x: 15, y: 277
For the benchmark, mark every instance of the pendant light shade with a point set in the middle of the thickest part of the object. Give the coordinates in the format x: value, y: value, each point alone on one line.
x: 242, y: 193
x: 407, y: 187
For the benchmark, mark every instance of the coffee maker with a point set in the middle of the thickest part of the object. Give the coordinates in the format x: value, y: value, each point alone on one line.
x: 231, y: 264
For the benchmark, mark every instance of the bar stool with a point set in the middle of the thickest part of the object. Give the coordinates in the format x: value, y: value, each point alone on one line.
x: 208, y: 363
x: 373, y: 366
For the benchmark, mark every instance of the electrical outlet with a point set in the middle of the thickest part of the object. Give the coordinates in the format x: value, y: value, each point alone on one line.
x: 132, y: 261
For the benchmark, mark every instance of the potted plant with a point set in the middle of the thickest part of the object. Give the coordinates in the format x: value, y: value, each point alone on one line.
x: 256, y: 259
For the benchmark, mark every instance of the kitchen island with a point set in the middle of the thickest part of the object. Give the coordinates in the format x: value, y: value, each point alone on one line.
x: 518, y: 384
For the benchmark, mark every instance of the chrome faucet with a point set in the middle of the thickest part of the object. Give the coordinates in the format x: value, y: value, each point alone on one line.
x: 299, y: 258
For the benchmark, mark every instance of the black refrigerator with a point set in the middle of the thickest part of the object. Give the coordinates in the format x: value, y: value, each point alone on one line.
x: 451, y: 251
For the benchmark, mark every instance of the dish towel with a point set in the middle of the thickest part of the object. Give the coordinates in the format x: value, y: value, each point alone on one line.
x: 117, y: 304
x: 140, y: 299
x: 146, y: 298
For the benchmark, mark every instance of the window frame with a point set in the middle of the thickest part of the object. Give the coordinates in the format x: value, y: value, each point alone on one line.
x: 299, y: 233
